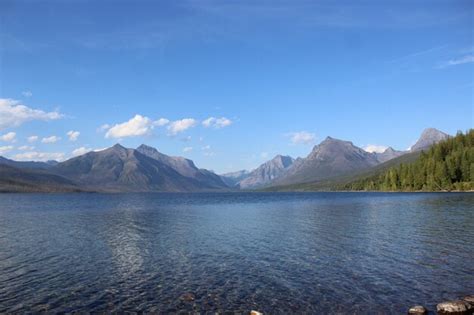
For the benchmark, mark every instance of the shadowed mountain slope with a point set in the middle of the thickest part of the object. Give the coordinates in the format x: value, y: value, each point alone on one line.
x: 184, y: 167
x: 121, y: 169
x: 13, y: 179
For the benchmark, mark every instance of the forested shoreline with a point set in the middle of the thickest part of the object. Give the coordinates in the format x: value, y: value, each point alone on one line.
x: 446, y: 166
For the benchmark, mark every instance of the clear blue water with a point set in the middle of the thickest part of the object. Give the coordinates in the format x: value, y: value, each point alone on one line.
x: 277, y: 253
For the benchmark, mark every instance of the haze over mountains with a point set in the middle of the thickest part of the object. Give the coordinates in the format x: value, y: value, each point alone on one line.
x: 145, y: 169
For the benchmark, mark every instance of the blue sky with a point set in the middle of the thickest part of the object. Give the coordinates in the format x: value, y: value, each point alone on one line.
x: 275, y: 76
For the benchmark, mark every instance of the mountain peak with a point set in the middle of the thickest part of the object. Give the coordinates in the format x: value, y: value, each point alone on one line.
x: 428, y: 137
x: 144, y: 146
x: 148, y: 150
x: 330, y: 140
x: 283, y: 160
x: 118, y: 146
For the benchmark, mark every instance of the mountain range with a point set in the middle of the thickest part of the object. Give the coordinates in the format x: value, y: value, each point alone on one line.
x: 145, y: 169
x: 330, y: 159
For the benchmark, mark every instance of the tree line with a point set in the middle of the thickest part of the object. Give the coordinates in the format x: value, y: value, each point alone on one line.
x: 446, y: 166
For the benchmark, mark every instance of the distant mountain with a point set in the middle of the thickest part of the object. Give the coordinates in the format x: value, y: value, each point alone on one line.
x: 232, y: 179
x: 330, y: 158
x: 121, y: 169
x: 145, y: 169
x: 27, y: 164
x: 337, y: 182
x: 388, y: 154
x: 429, y: 137
x: 14, y: 179
x: 184, y: 167
x: 266, y: 173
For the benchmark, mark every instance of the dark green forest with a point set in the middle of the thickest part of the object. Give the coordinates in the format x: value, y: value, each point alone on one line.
x: 446, y: 166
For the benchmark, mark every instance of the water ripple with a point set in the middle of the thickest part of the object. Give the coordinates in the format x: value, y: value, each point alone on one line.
x: 278, y: 253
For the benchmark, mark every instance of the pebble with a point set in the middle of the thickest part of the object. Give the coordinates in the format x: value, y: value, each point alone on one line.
x: 417, y: 310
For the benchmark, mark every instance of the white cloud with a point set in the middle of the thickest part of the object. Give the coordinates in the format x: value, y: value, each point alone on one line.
x: 186, y: 139
x: 264, y: 155
x: 80, y: 151
x: 206, y: 147
x: 216, y: 123
x: 103, y: 128
x: 302, y: 137
x: 187, y: 149
x: 375, y: 148
x: 27, y: 93
x: 178, y: 126
x: 208, y: 122
x: 5, y: 149
x: 137, y: 126
x: 13, y: 114
x: 52, y: 139
x: 459, y: 61
x: 26, y: 148
x: 73, y: 135
x: 161, y: 122
x: 8, y: 137
x: 32, y: 139
x: 39, y: 156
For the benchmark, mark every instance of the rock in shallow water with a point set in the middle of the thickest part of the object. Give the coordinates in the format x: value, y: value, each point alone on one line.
x: 469, y: 299
x: 454, y: 308
x: 417, y: 310
x: 187, y: 297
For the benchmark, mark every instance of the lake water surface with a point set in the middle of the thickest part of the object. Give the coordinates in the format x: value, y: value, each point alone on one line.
x: 272, y: 252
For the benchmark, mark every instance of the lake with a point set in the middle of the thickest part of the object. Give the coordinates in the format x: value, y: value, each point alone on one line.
x: 272, y: 252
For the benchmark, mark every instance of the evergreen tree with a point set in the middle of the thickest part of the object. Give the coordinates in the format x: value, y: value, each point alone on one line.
x: 447, y: 165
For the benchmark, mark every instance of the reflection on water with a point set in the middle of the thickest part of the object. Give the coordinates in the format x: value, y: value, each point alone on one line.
x: 278, y: 253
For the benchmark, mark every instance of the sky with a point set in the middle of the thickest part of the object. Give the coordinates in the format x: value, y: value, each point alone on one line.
x: 230, y: 84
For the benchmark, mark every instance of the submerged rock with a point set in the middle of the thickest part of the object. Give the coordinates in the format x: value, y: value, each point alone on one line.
x: 187, y: 297
x: 454, y: 308
x: 417, y: 310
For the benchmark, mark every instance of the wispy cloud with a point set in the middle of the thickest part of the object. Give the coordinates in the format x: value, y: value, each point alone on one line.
x: 216, y: 123
x: 81, y: 151
x: 161, y: 122
x: 52, y: 139
x: 26, y: 148
x: 32, y: 139
x: 301, y: 137
x: 39, y: 156
x: 8, y: 137
x: 418, y: 53
x: 5, y: 149
x: 73, y: 135
x: 181, y: 125
x: 458, y: 61
x: 187, y: 149
x: 27, y: 93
